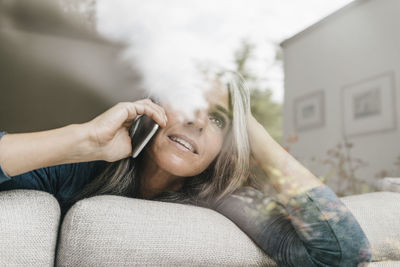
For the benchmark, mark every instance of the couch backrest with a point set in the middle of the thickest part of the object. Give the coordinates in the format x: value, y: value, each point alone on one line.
x: 29, y: 223
x: 114, y: 230
x: 117, y: 231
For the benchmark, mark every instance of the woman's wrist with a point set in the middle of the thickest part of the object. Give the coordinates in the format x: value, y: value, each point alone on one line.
x: 83, y: 144
x: 260, y: 141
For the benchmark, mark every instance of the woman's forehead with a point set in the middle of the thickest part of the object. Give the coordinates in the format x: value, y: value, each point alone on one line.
x: 218, y: 95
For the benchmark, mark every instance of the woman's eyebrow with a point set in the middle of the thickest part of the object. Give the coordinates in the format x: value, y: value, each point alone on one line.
x: 223, y: 110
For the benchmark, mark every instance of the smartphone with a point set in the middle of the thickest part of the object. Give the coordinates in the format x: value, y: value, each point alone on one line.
x: 142, y: 130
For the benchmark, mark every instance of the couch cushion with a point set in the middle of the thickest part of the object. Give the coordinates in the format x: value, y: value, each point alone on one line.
x: 28, y: 229
x: 379, y: 215
x: 119, y: 231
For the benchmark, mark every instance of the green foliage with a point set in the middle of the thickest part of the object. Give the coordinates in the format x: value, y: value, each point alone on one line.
x: 267, y: 112
x: 242, y: 56
x: 263, y: 108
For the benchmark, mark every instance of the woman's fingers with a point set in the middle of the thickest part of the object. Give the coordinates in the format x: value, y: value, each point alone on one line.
x: 109, y: 130
x: 154, y: 111
x: 146, y: 107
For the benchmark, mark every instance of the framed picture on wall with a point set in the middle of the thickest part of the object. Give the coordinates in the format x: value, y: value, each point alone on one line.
x: 368, y: 106
x: 309, y: 111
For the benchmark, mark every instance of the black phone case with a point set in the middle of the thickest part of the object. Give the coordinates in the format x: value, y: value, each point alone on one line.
x: 142, y: 130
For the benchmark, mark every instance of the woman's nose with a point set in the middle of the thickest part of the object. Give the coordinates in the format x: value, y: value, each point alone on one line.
x: 199, y: 121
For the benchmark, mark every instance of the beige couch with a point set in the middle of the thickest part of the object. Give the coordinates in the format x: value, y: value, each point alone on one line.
x: 118, y: 231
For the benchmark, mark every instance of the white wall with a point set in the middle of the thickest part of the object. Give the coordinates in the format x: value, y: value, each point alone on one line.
x: 360, y: 41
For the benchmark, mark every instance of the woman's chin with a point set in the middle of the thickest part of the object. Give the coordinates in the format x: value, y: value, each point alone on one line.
x: 177, y: 165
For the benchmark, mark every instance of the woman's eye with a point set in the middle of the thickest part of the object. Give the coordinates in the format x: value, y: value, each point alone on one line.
x: 217, y: 120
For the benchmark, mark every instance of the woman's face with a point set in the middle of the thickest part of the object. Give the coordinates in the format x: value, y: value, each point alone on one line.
x: 186, y: 147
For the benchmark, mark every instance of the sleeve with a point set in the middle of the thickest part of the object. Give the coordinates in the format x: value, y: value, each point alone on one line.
x: 63, y: 181
x: 314, y: 229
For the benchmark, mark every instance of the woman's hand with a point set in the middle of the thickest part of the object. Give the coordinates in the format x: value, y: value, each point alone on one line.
x: 109, y: 132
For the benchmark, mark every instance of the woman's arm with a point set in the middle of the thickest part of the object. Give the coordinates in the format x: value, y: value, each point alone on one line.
x: 106, y: 137
x: 23, y: 152
x: 284, y: 172
x: 308, y: 225
x: 314, y: 229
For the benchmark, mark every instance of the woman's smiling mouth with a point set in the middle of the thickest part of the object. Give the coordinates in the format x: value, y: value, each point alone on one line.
x: 184, y: 142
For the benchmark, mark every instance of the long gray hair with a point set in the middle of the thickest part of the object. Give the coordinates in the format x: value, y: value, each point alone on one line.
x: 228, y: 171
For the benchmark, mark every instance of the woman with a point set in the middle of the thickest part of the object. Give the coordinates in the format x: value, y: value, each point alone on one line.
x: 200, y: 161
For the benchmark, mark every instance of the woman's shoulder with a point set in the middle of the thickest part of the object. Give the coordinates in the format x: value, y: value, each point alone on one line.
x: 81, y: 168
x: 77, y: 174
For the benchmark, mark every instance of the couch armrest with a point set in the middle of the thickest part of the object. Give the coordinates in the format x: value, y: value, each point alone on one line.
x: 391, y: 184
x: 29, y: 223
x: 119, y: 231
x: 378, y: 214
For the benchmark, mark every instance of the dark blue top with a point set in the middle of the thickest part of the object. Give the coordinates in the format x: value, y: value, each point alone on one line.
x: 314, y: 229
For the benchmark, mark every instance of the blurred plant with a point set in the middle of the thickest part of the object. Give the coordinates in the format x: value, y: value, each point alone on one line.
x: 344, y: 166
x: 293, y: 138
x: 391, y: 173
